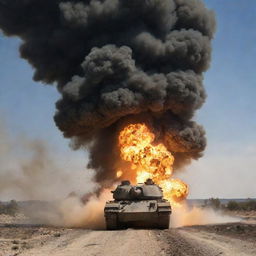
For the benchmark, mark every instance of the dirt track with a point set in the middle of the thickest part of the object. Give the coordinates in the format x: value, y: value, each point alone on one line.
x: 192, y: 241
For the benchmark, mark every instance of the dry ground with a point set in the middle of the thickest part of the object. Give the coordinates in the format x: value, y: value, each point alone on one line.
x: 211, y: 240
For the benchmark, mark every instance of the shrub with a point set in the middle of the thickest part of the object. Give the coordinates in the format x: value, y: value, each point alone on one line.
x: 214, y: 203
x: 10, y: 208
x: 246, y: 206
x: 232, y: 205
x: 249, y: 205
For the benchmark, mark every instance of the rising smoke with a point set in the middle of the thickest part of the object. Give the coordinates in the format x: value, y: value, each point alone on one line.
x: 115, y: 62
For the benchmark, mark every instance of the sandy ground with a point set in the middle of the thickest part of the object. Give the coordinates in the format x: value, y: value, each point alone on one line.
x: 211, y: 240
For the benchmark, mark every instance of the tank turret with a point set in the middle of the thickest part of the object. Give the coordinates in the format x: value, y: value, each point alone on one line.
x: 140, y: 205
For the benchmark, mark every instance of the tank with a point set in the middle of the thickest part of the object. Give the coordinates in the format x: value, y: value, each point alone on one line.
x: 141, y: 206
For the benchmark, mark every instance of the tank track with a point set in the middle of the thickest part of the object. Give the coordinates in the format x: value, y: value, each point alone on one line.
x: 112, y: 222
x: 163, y: 220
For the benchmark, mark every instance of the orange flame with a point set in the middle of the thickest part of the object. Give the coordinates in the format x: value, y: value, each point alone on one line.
x: 119, y: 173
x: 150, y: 161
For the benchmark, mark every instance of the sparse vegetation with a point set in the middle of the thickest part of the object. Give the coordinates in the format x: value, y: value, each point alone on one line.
x: 249, y: 205
x: 10, y: 208
x: 233, y: 205
x: 213, y: 203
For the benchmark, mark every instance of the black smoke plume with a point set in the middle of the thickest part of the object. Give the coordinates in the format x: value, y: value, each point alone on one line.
x: 115, y: 62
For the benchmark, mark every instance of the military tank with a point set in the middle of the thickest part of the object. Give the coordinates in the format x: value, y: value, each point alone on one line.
x: 141, y: 206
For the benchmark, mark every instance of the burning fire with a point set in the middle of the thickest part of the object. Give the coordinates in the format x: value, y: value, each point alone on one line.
x: 119, y: 173
x: 148, y: 160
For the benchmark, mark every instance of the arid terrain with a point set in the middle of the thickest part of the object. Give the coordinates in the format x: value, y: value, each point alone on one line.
x: 211, y: 240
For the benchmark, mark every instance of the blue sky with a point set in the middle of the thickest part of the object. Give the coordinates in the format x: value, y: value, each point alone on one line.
x: 229, y: 114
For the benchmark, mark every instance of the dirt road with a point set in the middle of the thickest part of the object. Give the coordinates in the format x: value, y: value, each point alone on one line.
x: 229, y: 239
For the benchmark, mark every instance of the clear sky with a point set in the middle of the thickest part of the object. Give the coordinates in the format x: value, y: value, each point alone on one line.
x: 228, y: 168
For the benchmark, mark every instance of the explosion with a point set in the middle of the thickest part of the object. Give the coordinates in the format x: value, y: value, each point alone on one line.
x: 136, y: 143
x: 119, y: 62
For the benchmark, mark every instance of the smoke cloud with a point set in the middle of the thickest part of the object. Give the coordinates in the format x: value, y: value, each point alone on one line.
x: 116, y: 62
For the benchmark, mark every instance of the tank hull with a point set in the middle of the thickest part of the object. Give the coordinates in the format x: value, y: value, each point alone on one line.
x: 141, y: 214
x: 114, y: 221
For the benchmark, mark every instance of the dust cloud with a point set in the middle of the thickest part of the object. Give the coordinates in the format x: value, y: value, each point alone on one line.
x: 30, y: 169
x: 89, y: 215
x: 70, y: 212
x: 187, y: 216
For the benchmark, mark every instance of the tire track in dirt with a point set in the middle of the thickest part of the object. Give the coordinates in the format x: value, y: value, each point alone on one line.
x: 112, y: 243
x: 192, y: 242
x: 189, y: 241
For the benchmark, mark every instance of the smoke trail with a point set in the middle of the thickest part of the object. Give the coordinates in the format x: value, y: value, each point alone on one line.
x: 116, y: 62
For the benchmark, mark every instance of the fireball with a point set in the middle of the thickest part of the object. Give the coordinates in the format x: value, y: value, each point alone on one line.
x: 150, y: 160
